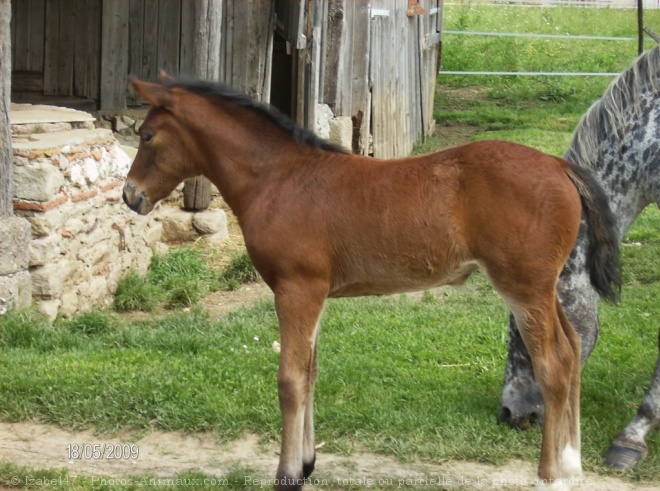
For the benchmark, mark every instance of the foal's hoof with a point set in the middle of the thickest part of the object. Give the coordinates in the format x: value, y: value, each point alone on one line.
x: 624, y: 458
x: 308, y: 468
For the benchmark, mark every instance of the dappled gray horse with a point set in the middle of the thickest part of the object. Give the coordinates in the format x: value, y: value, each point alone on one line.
x: 619, y: 138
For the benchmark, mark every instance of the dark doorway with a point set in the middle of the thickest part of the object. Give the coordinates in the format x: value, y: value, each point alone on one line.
x: 281, y: 77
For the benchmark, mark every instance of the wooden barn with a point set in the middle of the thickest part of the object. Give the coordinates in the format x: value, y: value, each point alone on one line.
x: 373, y: 61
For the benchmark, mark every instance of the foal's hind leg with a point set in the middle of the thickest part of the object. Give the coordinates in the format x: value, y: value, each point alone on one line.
x: 554, y: 349
x: 298, y: 308
x: 554, y: 362
x: 571, y: 465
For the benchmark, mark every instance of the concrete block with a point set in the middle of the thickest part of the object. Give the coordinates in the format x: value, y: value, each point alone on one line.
x: 323, y: 116
x: 177, y: 224
x: 210, y: 222
x: 15, y: 235
x: 15, y: 291
x: 37, y: 181
x: 45, y: 249
x: 341, y: 132
x: 49, y: 308
x: 48, y: 281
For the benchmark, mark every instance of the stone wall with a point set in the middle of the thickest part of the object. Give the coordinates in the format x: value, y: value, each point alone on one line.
x: 68, y: 184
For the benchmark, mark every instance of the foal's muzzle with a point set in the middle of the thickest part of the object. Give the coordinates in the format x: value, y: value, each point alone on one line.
x: 139, y: 202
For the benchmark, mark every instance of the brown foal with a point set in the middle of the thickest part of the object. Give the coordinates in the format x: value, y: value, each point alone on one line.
x: 320, y: 223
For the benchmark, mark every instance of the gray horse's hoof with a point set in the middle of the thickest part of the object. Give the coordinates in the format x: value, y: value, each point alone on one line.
x: 624, y: 458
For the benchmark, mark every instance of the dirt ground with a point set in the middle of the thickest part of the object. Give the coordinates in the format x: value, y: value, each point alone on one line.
x: 163, y: 455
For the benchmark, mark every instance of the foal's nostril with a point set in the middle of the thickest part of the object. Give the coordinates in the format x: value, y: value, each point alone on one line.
x: 138, y: 203
x: 135, y: 202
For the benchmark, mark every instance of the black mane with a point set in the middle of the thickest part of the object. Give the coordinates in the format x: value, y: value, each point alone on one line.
x: 222, y: 91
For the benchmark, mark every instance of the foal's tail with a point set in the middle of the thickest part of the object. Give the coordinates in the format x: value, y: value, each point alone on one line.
x: 603, y: 243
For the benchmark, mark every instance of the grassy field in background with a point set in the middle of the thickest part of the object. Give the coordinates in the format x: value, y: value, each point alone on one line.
x: 537, y: 111
x: 416, y: 377
x: 518, y: 54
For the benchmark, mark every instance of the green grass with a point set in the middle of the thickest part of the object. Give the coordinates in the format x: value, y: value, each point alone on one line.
x: 541, y: 112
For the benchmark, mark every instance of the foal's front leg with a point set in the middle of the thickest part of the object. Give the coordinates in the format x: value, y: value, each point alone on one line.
x: 299, y: 308
x: 309, y: 448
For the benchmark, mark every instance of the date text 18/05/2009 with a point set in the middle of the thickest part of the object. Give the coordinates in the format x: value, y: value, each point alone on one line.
x: 102, y: 451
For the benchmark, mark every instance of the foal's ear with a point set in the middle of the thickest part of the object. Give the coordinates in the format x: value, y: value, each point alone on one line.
x: 155, y: 94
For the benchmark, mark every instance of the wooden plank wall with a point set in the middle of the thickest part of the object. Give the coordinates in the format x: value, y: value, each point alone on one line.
x: 402, y: 76
x: 379, y: 87
x: 160, y: 38
x: 247, y: 46
x: 387, y: 89
x: 58, y: 43
x: 346, y: 52
x: 87, y: 48
x: 154, y: 35
x: 114, y: 59
x: 72, y: 48
x: 27, y: 43
x: 87, y: 52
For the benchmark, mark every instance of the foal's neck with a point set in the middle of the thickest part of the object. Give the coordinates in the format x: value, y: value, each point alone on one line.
x: 242, y: 152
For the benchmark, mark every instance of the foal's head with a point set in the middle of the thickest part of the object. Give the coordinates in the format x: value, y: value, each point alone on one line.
x: 167, y: 153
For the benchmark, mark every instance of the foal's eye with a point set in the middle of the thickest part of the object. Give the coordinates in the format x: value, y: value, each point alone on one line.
x: 146, y: 137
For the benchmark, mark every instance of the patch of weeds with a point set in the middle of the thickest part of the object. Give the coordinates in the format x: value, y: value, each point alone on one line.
x: 21, y: 328
x: 180, y: 278
x: 182, y: 262
x: 135, y: 292
x: 184, y: 276
x: 186, y: 292
x: 91, y: 323
x: 240, y: 270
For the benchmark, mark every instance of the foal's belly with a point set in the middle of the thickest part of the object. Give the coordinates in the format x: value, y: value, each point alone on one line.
x: 397, y: 279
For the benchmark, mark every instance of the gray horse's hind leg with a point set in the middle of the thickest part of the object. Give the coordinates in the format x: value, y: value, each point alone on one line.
x: 629, y: 448
x: 522, y: 402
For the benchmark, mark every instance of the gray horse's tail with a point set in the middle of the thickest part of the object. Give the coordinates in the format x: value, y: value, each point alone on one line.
x: 603, y: 243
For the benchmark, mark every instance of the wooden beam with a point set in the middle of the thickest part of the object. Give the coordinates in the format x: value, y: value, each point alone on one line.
x: 169, y: 32
x: 114, y: 55
x: 135, y: 49
x: 150, y: 41
x: 65, y: 48
x: 51, y: 46
x: 205, y: 24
